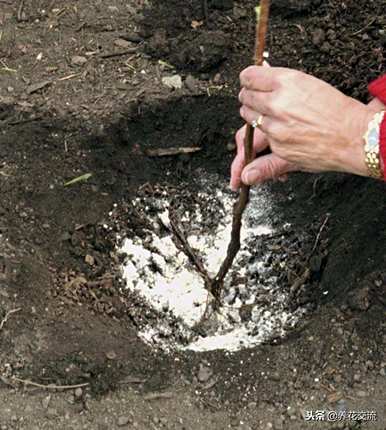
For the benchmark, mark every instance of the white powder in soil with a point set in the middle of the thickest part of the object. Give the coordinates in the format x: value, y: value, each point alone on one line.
x: 175, y: 288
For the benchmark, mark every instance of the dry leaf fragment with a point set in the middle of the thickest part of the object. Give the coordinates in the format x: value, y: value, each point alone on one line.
x: 195, y: 24
x: 75, y: 282
x: 38, y: 86
x: 81, y: 178
x: 122, y: 43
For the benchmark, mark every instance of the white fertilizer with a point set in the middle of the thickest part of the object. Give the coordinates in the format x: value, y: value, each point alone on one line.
x: 161, y: 274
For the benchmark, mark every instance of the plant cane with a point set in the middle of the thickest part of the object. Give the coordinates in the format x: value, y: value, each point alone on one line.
x: 262, y: 18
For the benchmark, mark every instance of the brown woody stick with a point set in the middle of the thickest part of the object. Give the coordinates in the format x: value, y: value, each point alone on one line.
x: 241, y: 204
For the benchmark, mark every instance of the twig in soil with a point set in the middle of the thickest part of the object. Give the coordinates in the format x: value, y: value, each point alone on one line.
x: 20, y: 12
x: 184, y: 246
x: 241, y: 204
x: 5, y: 68
x: 165, y: 152
x: 322, y: 227
x: 81, y: 178
x: 66, y: 78
x: 7, y: 315
x: 25, y: 120
x: 26, y: 382
x: 156, y: 396
x: 118, y: 53
x: 371, y: 22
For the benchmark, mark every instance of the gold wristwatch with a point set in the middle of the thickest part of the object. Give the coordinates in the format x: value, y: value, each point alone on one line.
x: 371, y: 138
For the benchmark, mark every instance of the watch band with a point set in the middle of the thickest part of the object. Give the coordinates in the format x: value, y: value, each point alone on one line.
x: 372, y: 137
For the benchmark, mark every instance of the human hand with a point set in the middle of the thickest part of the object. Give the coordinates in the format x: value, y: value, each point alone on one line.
x: 308, y: 124
x: 267, y: 167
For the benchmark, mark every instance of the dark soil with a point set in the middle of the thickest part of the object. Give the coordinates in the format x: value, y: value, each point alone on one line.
x: 62, y: 117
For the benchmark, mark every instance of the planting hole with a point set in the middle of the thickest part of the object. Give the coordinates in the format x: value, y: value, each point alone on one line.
x: 255, y: 308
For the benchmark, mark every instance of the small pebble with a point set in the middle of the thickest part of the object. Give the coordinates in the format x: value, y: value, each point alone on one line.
x: 231, y: 147
x: 78, y: 393
x: 78, y: 60
x: 191, y: 83
x: 123, y: 421
x: 173, y: 82
x: 217, y: 78
x: 204, y: 373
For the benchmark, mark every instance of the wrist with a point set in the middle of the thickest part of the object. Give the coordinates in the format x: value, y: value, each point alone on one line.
x: 356, y: 125
x: 376, y: 104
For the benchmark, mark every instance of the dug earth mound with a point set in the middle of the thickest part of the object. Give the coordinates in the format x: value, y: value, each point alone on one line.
x: 89, y: 272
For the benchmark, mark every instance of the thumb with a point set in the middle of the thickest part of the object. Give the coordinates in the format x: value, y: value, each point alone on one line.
x: 264, y: 168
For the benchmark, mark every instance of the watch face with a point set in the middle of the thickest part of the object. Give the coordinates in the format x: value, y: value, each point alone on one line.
x: 372, y: 135
x: 372, y: 144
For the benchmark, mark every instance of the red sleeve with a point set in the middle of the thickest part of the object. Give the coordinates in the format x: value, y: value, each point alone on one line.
x: 382, y: 145
x: 377, y: 89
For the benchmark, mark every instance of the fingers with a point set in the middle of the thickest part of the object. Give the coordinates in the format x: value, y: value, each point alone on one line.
x: 259, y: 78
x: 265, y: 168
x: 250, y: 115
x: 259, y: 144
x: 258, y: 101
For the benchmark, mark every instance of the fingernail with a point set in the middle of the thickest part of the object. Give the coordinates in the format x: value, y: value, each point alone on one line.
x: 247, y: 177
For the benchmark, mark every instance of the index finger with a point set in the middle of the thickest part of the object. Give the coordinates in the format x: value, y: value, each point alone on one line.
x: 259, y: 78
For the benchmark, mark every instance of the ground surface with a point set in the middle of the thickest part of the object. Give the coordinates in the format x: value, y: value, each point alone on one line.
x: 81, y: 92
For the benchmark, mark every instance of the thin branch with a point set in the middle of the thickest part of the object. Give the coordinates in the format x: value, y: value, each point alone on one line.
x: 47, y: 387
x: 184, y: 246
x: 20, y: 11
x: 322, y: 227
x: 241, y: 204
x: 7, y: 315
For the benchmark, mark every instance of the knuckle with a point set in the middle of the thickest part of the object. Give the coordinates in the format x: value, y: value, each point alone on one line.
x: 271, y: 169
x: 242, y: 77
x: 241, y: 95
x: 280, y: 105
x: 288, y: 76
x: 239, y: 134
x: 277, y: 132
x: 246, y: 75
x: 239, y: 139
